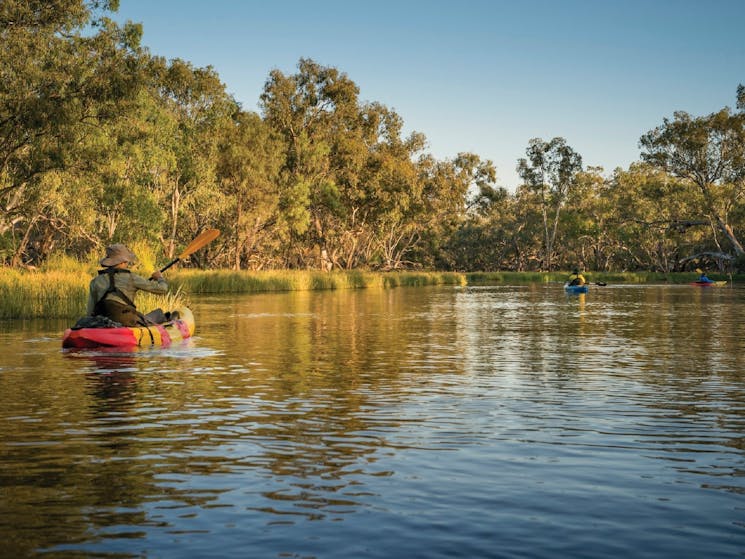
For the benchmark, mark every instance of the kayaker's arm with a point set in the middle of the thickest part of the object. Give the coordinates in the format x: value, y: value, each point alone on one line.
x: 158, y: 286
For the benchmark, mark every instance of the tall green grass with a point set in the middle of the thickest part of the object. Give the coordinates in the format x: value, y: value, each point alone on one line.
x: 172, y: 300
x: 62, y: 292
x: 42, y: 294
x: 227, y: 281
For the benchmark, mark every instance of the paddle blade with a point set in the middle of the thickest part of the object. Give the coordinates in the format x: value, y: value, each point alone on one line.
x: 199, y: 241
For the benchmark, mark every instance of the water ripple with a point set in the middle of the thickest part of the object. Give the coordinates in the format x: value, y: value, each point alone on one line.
x: 470, y: 422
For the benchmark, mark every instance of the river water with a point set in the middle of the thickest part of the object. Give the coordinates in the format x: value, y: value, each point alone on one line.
x: 478, y: 422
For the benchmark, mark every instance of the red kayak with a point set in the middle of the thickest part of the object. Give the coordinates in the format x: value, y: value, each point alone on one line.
x: 137, y: 336
x: 709, y: 283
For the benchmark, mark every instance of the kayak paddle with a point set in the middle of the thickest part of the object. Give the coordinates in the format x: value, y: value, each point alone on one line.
x: 199, y: 241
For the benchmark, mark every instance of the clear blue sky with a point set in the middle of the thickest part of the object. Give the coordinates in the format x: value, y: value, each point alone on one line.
x: 483, y: 76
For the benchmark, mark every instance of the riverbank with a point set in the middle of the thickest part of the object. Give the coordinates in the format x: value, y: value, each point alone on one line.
x: 63, y: 293
x: 678, y: 278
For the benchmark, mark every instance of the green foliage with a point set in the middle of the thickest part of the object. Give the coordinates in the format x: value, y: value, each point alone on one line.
x: 103, y: 142
x: 61, y: 262
x: 550, y: 171
x: 709, y: 152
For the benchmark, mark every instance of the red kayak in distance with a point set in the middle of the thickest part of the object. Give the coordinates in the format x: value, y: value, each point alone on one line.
x: 709, y: 283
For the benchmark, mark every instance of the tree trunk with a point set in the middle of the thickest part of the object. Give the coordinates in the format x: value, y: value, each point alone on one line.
x: 727, y: 230
x: 238, y: 242
x: 724, y: 227
x: 17, y: 255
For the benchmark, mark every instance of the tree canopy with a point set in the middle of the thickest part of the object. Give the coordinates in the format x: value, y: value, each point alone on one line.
x: 102, y: 141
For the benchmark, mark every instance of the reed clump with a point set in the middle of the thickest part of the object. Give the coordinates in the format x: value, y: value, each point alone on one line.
x: 168, y: 302
x: 61, y: 294
x: 42, y: 294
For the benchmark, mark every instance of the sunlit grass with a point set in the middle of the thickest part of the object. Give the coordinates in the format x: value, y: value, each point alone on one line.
x: 512, y: 277
x: 42, y: 294
x: 226, y: 281
x: 172, y: 300
x: 61, y: 290
x: 416, y: 279
x: 62, y: 294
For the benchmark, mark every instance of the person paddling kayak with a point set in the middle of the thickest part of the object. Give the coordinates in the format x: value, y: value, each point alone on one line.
x: 576, y: 278
x: 702, y: 278
x: 112, y: 292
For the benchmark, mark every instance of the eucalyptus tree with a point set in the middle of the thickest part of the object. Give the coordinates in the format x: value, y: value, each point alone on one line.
x: 586, y: 224
x: 550, y: 171
x: 360, y: 154
x: 654, y: 221
x: 528, y: 237
x: 358, y: 150
x: 352, y: 185
x: 248, y: 163
x: 389, y: 200
x: 482, y: 193
x: 453, y: 190
x: 396, y: 199
x: 65, y: 69
x: 484, y: 240
x: 478, y: 240
x: 709, y: 153
x: 199, y: 108
x: 309, y: 110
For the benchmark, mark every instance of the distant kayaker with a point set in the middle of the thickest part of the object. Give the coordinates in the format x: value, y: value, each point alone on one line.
x: 702, y: 278
x: 576, y: 278
x: 112, y: 292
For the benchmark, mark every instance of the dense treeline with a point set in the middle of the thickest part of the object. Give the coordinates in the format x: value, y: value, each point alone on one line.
x: 102, y: 141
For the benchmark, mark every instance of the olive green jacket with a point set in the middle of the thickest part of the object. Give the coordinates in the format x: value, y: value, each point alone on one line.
x: 128, y: 283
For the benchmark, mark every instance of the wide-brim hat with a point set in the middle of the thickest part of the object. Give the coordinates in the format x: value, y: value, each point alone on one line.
x: 116, y: 254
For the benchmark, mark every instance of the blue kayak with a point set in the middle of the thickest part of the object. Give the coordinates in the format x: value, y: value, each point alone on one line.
x: 575, y: 288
